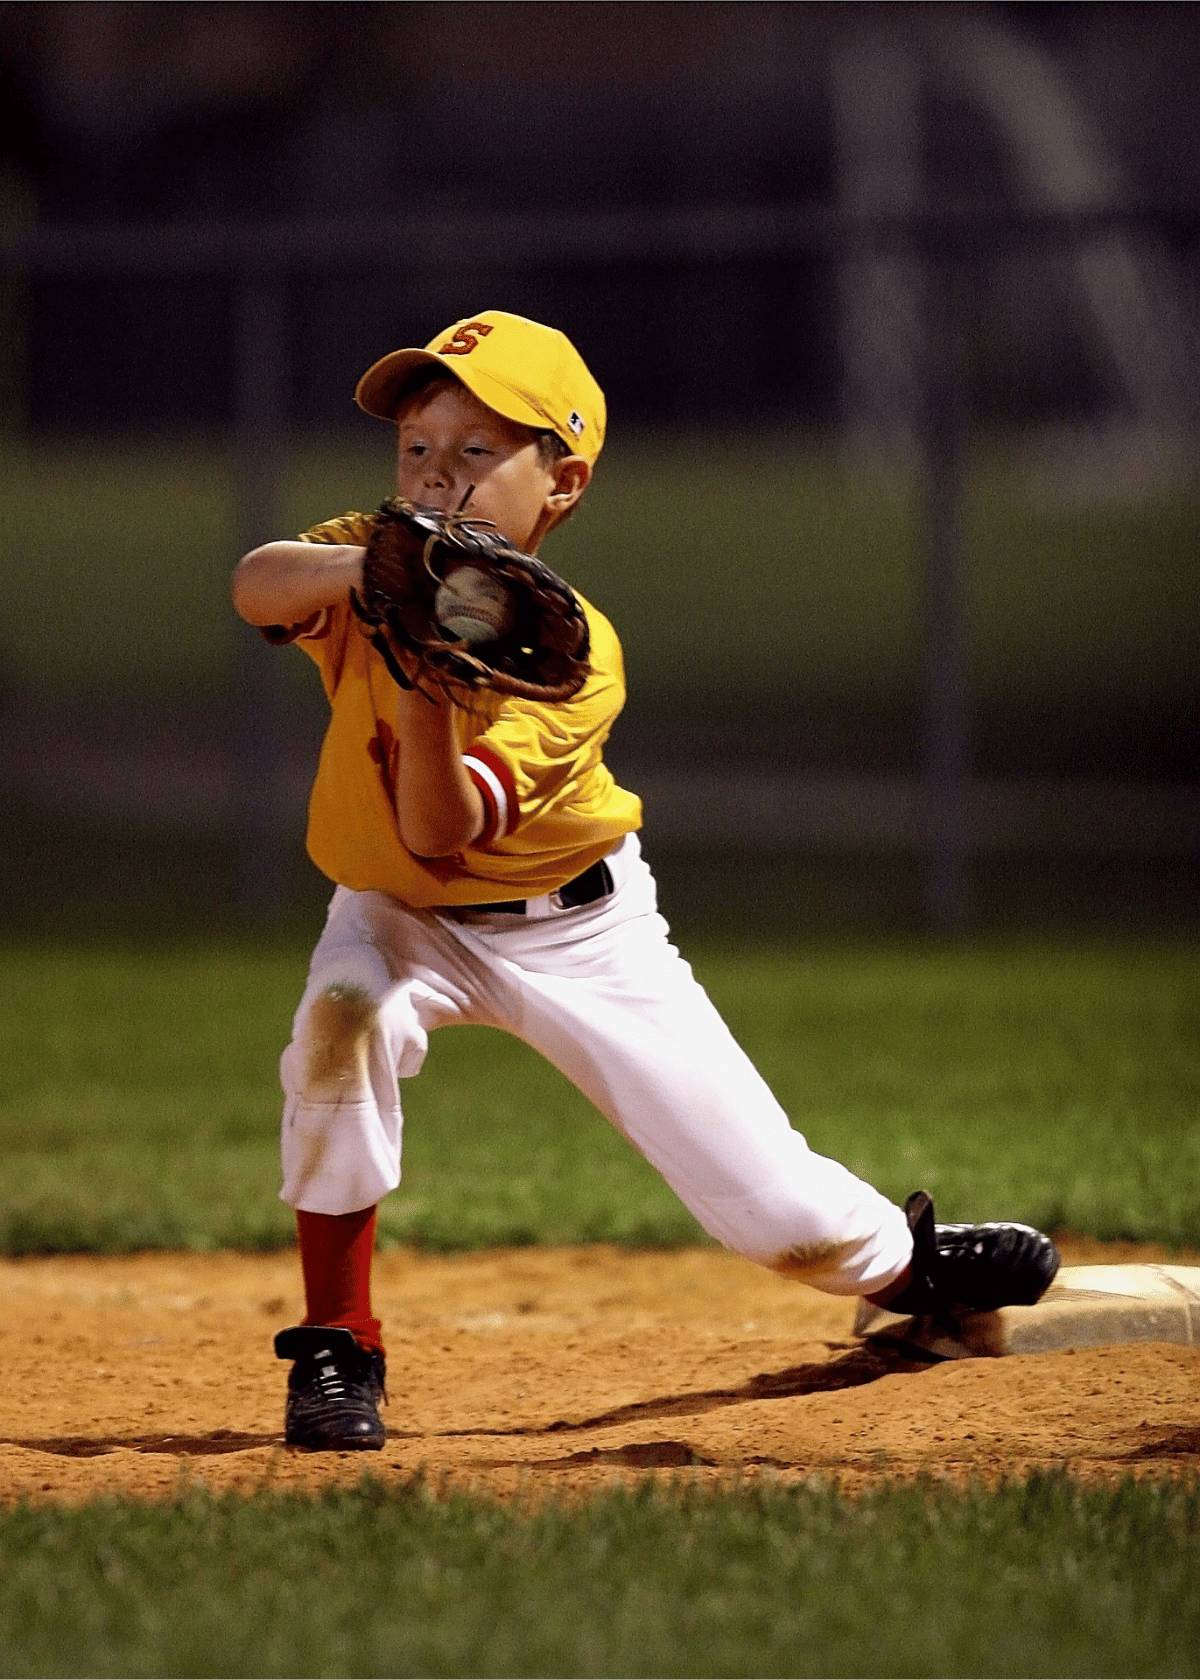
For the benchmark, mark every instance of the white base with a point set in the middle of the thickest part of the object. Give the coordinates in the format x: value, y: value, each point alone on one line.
x: 1085, y: 1306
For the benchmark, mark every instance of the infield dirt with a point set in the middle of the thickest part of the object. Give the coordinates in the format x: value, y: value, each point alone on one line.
x: 548, y: 1371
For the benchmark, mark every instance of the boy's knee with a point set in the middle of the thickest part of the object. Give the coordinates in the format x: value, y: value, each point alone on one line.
x: 820, y: 1263
x: 335, y: 1034
x: 830, y: 1247
x: 352, y: 1039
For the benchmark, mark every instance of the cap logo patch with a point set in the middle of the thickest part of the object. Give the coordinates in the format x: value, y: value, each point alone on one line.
x: 465, y: 339
x: 575, y: 421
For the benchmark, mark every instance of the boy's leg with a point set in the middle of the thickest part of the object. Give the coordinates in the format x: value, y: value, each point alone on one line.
x: 381, y: 979
x: 668, y: 1073
x: 610, y: 1002
x: 620, y: 1013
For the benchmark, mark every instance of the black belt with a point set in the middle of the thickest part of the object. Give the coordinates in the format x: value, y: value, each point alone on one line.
x: 595, y: 882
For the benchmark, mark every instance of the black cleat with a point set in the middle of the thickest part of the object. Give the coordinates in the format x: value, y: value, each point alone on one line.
x: 973, y: 1267
x: 334, y: 1390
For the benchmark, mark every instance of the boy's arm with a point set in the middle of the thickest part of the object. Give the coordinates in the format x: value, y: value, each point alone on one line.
x: 286, y: 582
x: 438, y: 808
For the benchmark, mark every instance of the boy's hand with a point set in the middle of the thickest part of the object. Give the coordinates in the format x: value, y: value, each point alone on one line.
x: 540, y: 648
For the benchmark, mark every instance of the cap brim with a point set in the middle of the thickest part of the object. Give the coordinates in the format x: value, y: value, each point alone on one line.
x: 382, y: 386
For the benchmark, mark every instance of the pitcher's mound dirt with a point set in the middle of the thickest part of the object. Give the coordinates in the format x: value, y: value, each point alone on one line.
x: 546, y: 1371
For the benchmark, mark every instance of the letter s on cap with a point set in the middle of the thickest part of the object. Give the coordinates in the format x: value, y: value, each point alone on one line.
x: 465, y: 339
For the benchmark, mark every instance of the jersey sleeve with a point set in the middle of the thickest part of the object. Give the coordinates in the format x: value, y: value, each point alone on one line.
x: 323, y: 634
x: 534, y: 759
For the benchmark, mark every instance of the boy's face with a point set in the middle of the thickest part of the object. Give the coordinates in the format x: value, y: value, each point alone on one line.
x: 449, y: 444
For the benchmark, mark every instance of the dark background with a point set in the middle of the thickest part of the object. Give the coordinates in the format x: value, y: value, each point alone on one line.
x: 940, y: 263
x: 129, y: 114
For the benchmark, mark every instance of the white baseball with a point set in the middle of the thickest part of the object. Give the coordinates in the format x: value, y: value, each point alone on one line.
x: 473, y: 606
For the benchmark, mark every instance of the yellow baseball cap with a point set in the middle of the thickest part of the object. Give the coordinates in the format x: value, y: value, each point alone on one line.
x: 521, y: 369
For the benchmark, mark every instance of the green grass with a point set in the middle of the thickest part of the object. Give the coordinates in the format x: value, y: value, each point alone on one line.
x: 1038, y: 1578
x: 741, y: 572
x: 1052, y: 1080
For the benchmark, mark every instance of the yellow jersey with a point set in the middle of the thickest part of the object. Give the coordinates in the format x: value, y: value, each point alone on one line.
x: 552, y: 807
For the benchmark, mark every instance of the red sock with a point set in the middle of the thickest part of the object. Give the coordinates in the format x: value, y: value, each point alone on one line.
x: 335, y: 1257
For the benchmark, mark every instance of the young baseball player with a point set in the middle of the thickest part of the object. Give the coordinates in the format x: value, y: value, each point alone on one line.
x: 487, y: 869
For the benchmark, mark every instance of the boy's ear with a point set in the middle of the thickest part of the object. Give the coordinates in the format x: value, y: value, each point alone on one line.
x: 572, y: 475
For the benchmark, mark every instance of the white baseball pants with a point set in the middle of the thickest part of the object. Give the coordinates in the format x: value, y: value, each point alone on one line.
x: 603, y: 995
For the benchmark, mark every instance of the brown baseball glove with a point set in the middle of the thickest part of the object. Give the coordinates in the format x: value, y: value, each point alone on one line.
x: 536, y: 643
